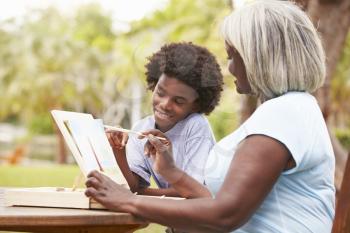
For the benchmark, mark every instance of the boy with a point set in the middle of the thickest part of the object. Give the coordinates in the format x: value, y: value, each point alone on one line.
x: 186, y: 81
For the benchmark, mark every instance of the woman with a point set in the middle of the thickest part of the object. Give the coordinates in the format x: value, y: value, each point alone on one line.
x: 275, y: 172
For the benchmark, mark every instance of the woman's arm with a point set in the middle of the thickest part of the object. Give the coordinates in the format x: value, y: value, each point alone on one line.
x: 256, y: 166
x: 169, y: 192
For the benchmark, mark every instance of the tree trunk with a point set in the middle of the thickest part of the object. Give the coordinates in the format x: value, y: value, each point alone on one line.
x: 341, y: 223
x: 332, y: 19
x: 62, y: 155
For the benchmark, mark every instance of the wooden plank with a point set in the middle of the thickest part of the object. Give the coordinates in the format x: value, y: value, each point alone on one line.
x: 55, y: 197
x: 78, y: 229
x: 49, y: 197
x: 60, y: 220
x: 341, y: 222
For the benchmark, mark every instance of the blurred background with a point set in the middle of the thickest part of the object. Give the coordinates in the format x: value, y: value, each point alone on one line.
x: 89, y: 56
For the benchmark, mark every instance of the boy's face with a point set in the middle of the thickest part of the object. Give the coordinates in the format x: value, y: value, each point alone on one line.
x: 173, y: 101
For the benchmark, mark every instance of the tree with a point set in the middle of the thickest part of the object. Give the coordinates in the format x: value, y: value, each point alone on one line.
x: 333, y: 21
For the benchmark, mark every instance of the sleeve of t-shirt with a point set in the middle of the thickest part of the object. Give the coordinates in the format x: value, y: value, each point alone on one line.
x: 136, y: 160
x: 288, y: 125
x: 197, y: 149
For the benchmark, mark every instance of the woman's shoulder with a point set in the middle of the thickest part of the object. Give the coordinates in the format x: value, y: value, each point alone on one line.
x: 291, y: 104
x: 294, y: 110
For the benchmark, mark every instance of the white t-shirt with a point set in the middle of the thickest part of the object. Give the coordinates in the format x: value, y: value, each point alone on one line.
x: 192, y: 139
x: 303, y: 198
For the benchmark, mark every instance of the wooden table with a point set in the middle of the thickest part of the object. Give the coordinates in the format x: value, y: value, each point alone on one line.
x: 32, y: 219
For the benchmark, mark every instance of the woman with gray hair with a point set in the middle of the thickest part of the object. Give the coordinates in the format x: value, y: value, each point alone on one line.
x: 275, y: 172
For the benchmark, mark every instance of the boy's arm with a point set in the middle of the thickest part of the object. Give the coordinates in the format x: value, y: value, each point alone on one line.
x: 131, y: 178
x: 190, y: 177
x: 186, y: 187
x: 118, y: 142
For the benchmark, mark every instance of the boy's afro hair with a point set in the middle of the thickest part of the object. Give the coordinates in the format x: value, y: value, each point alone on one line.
x: 191, y: 64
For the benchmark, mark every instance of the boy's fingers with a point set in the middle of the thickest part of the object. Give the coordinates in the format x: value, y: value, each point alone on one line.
x: 125, y: 139
x: 146, y: 150
x: 154, y: 132
x: 109, y: 138
x: 155, y: 141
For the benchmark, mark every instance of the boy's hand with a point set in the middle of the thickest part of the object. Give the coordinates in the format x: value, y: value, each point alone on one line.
x: 116, y: 139
x: 159, y: 150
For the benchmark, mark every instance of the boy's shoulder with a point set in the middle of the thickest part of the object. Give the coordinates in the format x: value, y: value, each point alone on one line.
x: 196, y: 124
x: 195, y: 119
x: 145, y: 123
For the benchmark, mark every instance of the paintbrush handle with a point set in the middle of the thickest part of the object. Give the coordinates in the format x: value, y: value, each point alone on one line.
x: 129, y: 131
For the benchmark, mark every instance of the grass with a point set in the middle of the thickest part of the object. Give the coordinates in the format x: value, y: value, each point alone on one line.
x: 49, y: 176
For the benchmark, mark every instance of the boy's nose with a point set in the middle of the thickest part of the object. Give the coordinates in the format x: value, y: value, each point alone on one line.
x: 166, y: 104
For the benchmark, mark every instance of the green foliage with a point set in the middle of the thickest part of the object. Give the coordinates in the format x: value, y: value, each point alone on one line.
x: 343, y: 136
x: 41, y: 176
x: 224, y: 119
x: 94, y: 27
x: 78, y: 63
x: 340, y: 89
x: 41, y: 124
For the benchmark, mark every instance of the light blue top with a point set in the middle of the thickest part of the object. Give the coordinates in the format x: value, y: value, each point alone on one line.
x: 192, y: 139
x: 303, y: 198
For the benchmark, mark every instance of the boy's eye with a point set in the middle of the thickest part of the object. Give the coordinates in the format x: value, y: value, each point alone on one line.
x: 179, y: 101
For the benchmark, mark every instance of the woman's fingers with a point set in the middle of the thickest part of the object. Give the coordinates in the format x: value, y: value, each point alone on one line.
x: 91, y: 192
x: 93, y: 182
x: 96, y: 174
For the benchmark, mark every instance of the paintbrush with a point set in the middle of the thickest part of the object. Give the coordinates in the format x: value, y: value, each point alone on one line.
x: 113, y: 128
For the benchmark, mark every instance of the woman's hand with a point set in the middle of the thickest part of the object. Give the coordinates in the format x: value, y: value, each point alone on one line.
x: 105, y: 191
x: 116, y: 139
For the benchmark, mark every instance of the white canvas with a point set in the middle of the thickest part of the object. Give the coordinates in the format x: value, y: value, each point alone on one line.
x: 88, y: 143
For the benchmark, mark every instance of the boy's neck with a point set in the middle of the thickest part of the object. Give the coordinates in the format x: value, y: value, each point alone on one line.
x: 164, y: 130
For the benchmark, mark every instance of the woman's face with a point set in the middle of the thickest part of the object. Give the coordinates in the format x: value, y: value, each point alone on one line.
x: 173, y: 101
x: 237, y: 69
